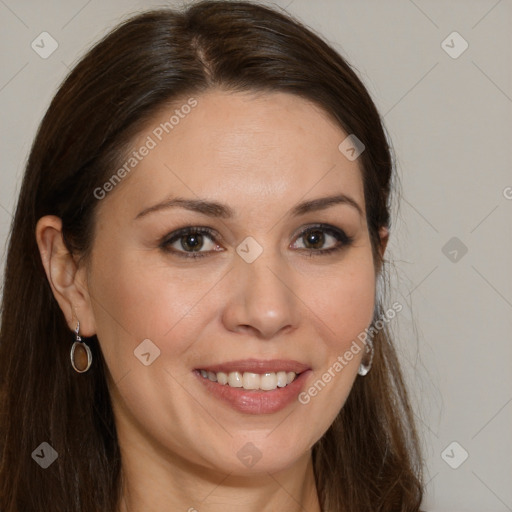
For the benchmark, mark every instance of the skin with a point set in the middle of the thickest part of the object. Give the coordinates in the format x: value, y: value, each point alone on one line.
x: 260, y: 154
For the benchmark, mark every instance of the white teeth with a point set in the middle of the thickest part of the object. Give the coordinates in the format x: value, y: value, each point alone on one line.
x: 281, y: 379
x: 235, y: 379
x: 248, y: 380
x: 251, y: 380
x: 222, y: 378
x: 268, y: 381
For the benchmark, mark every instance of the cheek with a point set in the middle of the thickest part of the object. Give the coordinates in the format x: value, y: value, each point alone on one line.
x: 344, y: 307
x: 345, y: 302
x: 134, y: 301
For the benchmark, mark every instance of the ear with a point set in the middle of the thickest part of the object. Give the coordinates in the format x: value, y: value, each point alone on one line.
x: 383, y: 242
x: 67, y: 281
x: 384, y: 238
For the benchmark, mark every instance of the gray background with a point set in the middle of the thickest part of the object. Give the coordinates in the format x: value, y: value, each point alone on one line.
x: 450, y: 123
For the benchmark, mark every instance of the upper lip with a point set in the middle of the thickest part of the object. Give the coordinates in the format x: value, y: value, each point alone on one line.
x: 257, y: 366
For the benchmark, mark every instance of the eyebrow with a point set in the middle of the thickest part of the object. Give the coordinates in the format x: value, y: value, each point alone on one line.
x: 215, y: 209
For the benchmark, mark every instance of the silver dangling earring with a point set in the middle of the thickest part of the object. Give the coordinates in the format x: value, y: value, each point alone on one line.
x: 365, y: 368
x: 81, y: 357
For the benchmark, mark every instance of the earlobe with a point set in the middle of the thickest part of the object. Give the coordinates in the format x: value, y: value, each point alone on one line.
x: 63, y: 275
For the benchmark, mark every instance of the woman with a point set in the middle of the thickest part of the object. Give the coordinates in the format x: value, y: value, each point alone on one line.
x: 192, y: 318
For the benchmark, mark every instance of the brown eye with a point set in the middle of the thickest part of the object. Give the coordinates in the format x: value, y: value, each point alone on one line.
x: 190, y: 242
x: 315, y: 238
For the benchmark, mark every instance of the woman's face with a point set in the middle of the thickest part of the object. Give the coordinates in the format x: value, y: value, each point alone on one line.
x: 260, y: 297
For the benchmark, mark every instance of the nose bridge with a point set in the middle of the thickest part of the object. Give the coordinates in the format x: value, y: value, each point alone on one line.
x: 262, y: 295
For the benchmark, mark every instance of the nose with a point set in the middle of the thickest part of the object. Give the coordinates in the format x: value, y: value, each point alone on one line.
x: 263, y: 298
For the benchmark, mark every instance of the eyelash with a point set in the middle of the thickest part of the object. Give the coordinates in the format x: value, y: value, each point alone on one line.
x: 343, y: 240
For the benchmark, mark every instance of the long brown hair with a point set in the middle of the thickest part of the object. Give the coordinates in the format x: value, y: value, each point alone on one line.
x: 369, y: 459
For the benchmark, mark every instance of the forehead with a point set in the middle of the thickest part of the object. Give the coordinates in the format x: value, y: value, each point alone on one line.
x: 243, y: 149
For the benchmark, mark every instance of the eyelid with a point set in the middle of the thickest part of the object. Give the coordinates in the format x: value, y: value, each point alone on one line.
x: 212, y: 233
x: 343, y: 239
x: 334, y: 231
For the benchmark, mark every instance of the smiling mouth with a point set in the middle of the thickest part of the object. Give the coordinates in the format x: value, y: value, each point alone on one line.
x: 268, y: 381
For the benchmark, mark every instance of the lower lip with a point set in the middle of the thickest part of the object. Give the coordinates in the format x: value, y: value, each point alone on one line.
x: 256, y: 402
